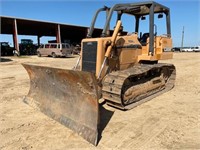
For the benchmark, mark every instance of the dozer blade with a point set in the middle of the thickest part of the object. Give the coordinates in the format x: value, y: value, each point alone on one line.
x: 69, y: 97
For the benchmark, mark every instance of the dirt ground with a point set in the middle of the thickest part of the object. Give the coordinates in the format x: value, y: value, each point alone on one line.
x: 169, y: 121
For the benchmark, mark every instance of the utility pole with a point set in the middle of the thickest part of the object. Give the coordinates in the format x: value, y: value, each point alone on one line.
x: 182, y: 39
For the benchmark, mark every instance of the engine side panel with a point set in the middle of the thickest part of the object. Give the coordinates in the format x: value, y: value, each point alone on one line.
x: 123, y: 55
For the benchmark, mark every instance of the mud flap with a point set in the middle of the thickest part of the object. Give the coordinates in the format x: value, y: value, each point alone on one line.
x: 69, y: 97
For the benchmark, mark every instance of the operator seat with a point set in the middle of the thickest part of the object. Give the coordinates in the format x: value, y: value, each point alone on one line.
x: 143, y: 39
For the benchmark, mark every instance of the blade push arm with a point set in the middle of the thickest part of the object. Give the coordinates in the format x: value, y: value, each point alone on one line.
x: 108, y: 51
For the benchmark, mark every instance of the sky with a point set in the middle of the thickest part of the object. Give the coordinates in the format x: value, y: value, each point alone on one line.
x: 184, y: 13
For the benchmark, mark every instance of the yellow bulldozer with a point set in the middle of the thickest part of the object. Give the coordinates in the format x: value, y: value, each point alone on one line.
x: 120, y: 68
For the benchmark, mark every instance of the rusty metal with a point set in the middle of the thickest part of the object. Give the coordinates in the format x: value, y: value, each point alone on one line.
x: 58, y: 36
x: 15, y: 34
x: 131, y: 87
x: 69, y: 97
x: 141, y: 89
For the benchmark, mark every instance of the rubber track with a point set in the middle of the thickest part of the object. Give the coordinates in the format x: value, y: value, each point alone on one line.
x: 113, y: 84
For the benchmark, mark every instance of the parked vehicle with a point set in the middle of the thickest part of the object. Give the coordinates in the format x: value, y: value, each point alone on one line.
x: 77, y: 49
x: 6, y: 50
x: 196, y: 49
x: 26, y: 47
x: 54, y: 49
x: 176, y: 49
x: 187, y: 49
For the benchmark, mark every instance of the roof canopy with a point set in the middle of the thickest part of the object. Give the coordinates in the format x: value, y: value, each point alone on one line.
x: 140, y: 9
x: 42, y: 28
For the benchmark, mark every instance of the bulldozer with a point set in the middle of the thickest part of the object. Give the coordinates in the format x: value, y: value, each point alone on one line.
x: 119, y: 67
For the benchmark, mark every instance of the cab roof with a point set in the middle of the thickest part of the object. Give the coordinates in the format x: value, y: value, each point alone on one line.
x: 140, y: 8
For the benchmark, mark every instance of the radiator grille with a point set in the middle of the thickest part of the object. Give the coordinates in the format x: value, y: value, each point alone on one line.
x: 89, y: 56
